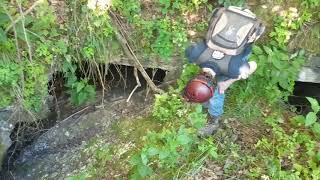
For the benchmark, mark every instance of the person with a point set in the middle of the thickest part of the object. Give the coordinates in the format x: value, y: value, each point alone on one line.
x: 238, y: 68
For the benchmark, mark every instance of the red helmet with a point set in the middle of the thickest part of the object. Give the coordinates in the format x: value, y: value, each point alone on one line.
x: 199, y: 89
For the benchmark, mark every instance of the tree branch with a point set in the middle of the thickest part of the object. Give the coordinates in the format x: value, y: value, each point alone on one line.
x: 128, y: 51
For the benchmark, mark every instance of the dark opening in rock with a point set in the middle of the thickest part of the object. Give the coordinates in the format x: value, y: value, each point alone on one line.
x: 301, y: 91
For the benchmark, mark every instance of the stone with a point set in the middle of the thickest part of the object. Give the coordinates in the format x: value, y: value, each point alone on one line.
x: 5, y: 131
x: 311, y: 71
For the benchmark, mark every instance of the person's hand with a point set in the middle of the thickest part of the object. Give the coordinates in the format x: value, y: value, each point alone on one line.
x: 209, y: 72
x: 223, y: 86
x: 246, y: 72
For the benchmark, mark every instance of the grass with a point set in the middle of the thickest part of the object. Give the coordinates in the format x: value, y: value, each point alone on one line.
x: 245, y: 148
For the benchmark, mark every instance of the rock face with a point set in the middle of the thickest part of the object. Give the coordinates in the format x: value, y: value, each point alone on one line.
x: 310, y: 72
x: 57, y: 152
x: 8, y: 119
x: 5, y: 131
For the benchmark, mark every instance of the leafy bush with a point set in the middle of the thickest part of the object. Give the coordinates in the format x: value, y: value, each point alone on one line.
x: 276, y: 68
x: 167, y: 106
x: 188, y: 71
x: 161, y: 35
x: 9, y: 77
x: 311, y: 119
x: 80, y: 91
x: 174, y: 144
x: 294, y: 156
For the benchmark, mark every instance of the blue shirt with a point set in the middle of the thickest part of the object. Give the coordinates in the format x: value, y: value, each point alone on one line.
x: 193, y: 52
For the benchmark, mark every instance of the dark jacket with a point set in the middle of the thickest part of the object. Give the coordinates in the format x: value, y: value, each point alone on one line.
x: 194, y: 51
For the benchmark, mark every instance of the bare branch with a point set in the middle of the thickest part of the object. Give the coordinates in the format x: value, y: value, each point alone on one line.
x: 24, y: 31
x: 135, y: 72
x: 128, y: 51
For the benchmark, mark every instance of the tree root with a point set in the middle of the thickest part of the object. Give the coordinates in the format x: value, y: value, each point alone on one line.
x: 138, y: 83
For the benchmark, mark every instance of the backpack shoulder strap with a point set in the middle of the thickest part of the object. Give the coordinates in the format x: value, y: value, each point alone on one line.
x: 223, y: 64
x: 205, y: 56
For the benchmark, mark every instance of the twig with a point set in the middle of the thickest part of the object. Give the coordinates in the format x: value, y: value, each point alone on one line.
x: 15, y: 35
x: 12, y: 175
x: 148, y: 88
x: 135, y: 72
x: 35, y: 4
x: 73, y: 115
x: 24, y: 31
x: 16, y: 144
x: 128, y: 51
x: 101, y: 81
x: 98, y: 69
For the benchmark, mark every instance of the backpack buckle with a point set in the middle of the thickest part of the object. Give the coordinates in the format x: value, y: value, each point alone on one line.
x: 217, y: 54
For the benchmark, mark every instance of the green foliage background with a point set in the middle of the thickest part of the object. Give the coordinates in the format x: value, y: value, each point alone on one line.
x: 36, y: 44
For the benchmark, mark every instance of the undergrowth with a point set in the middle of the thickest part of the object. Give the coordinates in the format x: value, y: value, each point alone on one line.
x: 41, y: 43
x: 287, y: 150
x: 37, y: 45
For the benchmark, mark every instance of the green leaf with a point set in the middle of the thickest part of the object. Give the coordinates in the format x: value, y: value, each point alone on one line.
x: 257, y: 50
x: 144, y: 170
x: 152, y: 151
x: 318, y: 156
x: 4, y: 18
x: 299, y: 119
x: 163, y: 154
x: 199, y: 108
x: 262, y: 58
x: 135, y: 160
x: 80, y: 86
x: 314, y: 104
x: 144, y: 158
x: 283, y: 56
x: 3, y: 36
x: 302, y: 52
x: 213, y: 152
x: 311, y: 118
x: 82, y: 97
x: 284, y: 84
x: 72, y: 79
x: 276, y: 63
x: 183, y: 139
x: 268, y: 50
x: 316, y: 128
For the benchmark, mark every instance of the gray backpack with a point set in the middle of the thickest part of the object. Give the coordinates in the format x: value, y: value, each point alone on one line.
x: 230, y: 30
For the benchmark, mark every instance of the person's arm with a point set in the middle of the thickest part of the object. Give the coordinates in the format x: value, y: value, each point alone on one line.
x: 244, y: 74
x: 246, y: 53
x: 224, y: 85
x: 194, y: 51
